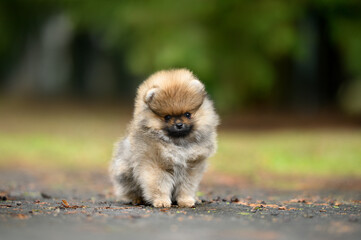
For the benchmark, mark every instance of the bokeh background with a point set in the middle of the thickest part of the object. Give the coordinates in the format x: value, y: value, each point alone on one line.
x: 285, y: 77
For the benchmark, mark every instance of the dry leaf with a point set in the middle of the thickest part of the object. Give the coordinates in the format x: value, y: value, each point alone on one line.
x: 5, y: 206
x: 299, y: 200
x: 72, y: 212
x: 113, y: 208
x: 21, y: 216
x: 66, y: 205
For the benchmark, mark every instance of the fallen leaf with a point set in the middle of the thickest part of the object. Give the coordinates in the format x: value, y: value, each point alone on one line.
x: 66, y: 205
x: 21, y: 216
x: 299, y: 200
x: 257, y: 207
x: 72, y: 212
x: 114, y: 208
x: 5, y: 206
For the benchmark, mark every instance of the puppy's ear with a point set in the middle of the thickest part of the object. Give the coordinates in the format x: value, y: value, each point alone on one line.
x: 150, y: 95
x: 201, y: 93
x: 195, y: 83
x: 198, y: 85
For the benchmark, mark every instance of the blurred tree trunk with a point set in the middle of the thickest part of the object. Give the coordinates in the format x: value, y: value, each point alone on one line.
x: 317, y: 72
x: 45, y: 66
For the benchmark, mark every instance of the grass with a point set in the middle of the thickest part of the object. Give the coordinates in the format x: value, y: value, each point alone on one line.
x: 290, y: 153
x: 83, y: 138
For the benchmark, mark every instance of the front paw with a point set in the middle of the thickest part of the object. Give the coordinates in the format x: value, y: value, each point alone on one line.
x: 186, y: 202
x: 158, y: 203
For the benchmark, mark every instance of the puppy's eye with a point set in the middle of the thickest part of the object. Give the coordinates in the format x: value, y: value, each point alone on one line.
x: 188, y: 115
x: 167, y: 117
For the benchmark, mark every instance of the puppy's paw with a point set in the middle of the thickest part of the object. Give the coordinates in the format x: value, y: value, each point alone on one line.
x: 158, y: 203
x: 186, y: 202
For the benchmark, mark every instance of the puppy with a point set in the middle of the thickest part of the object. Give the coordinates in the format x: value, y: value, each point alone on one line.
x: 172, y: 133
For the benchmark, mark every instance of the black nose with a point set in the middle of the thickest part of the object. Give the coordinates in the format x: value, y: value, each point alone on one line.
x: 179, y: 125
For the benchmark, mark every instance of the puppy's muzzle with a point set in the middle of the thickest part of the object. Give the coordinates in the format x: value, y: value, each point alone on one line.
x: 179, y: 129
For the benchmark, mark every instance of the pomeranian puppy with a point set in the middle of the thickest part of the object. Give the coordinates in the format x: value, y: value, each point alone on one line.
x: 172, y: 133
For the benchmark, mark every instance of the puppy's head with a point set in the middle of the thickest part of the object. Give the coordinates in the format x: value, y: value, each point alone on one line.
x: 175, y: 98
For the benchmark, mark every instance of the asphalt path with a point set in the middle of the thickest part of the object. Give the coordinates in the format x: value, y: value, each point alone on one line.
x: 32, y: 208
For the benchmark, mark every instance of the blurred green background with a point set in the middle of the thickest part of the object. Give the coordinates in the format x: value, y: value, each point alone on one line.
x: 285, y: 76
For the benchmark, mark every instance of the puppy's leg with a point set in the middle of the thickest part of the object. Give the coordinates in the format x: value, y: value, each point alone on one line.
x: 119, y: 192
x: 186, y: 190
x: 156, y: 184
x: 126, y: 188
x: 116, y: 179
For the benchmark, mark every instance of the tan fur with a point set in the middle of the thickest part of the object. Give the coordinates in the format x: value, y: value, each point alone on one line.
x: 152, y: 165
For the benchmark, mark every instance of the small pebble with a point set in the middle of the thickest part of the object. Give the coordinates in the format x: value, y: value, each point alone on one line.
x: 44, y: 195
x: 217, y: 199
x: 234, y: 199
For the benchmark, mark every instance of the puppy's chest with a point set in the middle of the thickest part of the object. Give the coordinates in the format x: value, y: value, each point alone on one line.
x: 175, y: 155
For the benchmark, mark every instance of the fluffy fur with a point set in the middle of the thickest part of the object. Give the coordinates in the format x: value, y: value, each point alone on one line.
x: 172, y: 133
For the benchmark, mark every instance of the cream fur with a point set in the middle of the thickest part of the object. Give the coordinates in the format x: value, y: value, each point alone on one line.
x: 148, y: 165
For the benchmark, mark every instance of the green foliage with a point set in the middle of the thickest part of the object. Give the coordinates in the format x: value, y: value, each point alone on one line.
x: 231, y: 45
